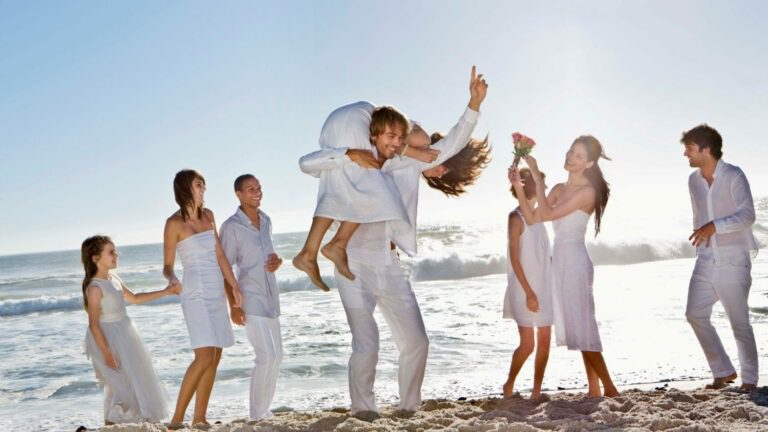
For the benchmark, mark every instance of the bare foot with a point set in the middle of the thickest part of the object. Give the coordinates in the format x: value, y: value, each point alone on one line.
x: 722, y: 382
x: 507, y: 389
x: 747, y: 388
x: 594, y: 393
x: 309, y: 266
x: 535, y: 395
x: 612, y: 392
x: 338, y: 256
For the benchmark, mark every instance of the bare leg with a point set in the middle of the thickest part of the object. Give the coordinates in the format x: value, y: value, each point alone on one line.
x: 306, y: 260
x: 543, y: 338
x: 204, y: 388
x: 519, y: 357
x: 593, y: 381
x: 203, y: 359
x: 336, y: 249
x: 595, y: 361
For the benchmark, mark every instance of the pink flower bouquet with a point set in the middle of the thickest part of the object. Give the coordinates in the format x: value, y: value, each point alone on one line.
x: 523, y: 146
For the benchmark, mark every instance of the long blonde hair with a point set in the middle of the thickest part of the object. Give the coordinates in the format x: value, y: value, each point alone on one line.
x: 92, y: 246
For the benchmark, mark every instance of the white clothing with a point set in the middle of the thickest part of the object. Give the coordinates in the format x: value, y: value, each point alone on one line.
x: 264, y: 335
x: 723, y: 269
x: 536, y: 260
x: 729, y: 283
x: 388, y: 287
x: 354, y: 193
x: 573, y: 302
x: 202, y: 297
x: 371, y: 241
x: 727, y: 203
x: 248, y: 248
x: 133, y: 392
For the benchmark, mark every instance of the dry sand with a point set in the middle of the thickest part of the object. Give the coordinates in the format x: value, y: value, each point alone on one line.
x: 659, y: 409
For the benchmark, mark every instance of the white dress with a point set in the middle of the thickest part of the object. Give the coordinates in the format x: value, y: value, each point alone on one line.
x: 574, y: 305
x: 536, y: 261
x: 203, y: 299
x: 132, y: 393
x: 353, y: 193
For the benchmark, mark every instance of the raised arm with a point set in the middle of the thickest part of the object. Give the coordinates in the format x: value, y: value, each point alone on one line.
x: 144, y: 297
x: 459, y: 135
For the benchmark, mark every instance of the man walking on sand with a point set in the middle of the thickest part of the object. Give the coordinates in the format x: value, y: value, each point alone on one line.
x: 723, y: 215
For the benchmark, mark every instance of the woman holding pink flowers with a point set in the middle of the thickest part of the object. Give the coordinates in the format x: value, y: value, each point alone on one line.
x: 569, y: 206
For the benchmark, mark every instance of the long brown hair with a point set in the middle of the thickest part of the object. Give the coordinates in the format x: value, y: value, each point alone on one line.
x: 182, y: 191
x: 595, y: 176
x: 463, y: 168
x: 92, y: 246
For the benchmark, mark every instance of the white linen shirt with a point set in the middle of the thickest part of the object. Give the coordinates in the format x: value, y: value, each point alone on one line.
x: 728, y: 204
x: 371, y: 241
x: 247, y: 248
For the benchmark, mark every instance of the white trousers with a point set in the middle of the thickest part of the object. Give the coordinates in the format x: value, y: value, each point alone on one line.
x: 264, y: 335
x: 389, y: 288
x: 728, y: 282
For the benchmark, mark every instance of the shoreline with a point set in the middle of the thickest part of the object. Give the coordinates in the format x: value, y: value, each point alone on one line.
x: 666, y: 405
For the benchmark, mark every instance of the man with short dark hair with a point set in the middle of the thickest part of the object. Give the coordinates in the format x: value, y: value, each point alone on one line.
x: 723, y: 215
x: 246, y: 238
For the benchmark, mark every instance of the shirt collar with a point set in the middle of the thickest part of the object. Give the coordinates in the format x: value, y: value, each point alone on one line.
x: 245, y: 220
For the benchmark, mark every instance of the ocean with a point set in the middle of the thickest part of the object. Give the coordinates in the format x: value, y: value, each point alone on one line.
x: 47, y: 383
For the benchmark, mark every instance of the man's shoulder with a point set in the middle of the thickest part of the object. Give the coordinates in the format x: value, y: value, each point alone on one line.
x: 230, y: 222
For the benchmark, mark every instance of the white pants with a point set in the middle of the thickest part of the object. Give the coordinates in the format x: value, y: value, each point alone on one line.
x: 389, y: 288
x: 727, y: 281
x: 264, y: 335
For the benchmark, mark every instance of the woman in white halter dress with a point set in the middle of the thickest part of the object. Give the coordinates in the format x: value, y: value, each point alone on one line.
x: 570, y: 205
x: 191, y: 232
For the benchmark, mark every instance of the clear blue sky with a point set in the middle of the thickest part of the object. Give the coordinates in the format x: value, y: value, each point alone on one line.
x: 102, y: 102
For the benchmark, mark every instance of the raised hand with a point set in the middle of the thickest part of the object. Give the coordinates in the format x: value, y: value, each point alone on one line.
x: 478, y: 89
x: 513, y: 174
x: 533, y: 166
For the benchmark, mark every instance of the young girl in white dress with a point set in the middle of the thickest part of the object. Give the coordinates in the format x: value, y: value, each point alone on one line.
x: 133, y: 392
x: 528, y: 298
x: 569, y: 205
x: 192, y: 232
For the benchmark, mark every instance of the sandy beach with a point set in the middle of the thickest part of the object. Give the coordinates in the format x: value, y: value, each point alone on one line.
x: 651, y: 407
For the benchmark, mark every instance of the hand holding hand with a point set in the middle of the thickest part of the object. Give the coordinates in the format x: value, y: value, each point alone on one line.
x: 273, y: 263
x: 238, y: 296
x: 173, y: 289
x: 364, y: 158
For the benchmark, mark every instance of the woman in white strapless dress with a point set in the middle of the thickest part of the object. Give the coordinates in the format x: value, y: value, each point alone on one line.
x: 570, y: 205
x: 528, y: 298
x: 192, y: 232
x: 133, y: 392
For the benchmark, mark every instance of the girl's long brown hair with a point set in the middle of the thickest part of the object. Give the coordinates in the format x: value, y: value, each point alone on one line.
x: 182, y: 191
x: 92, y: 246
x: 595, y: 176
x: 463, y: 168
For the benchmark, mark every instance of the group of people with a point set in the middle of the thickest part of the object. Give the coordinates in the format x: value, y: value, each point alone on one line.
x: 369, y: 165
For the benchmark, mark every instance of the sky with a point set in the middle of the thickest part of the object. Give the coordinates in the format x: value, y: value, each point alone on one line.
x: 101, y: 103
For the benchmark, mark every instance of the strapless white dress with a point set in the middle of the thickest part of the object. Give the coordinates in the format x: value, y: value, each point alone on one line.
x: 202, y: 297
x: 574, y: 304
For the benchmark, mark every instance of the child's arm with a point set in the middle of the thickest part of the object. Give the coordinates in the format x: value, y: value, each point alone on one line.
x: 515, y: 229
x: 94, y: 311
x: 225, y: 266
x: 144, y: 297
x: 525, y: 208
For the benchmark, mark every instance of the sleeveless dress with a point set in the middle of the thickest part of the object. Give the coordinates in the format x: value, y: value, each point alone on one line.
x: 537, y: 265
x: 353, y: 193
x: 202, y: 297
x: 574, y: 305
x: 133, y: 393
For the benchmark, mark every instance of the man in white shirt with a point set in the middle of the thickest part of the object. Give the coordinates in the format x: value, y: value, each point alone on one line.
x: 380, y: 279
x: 246, y: 238
x: 723, y: 215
